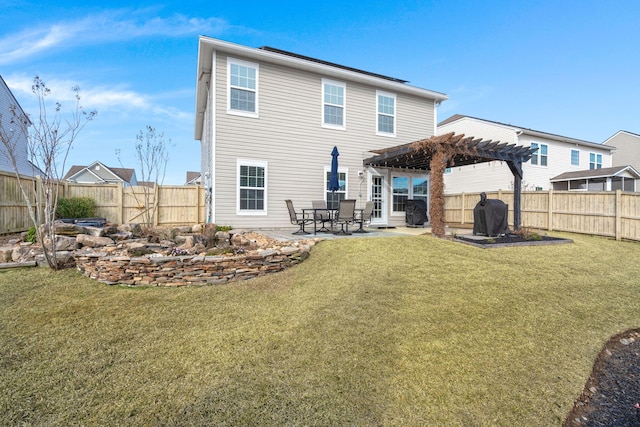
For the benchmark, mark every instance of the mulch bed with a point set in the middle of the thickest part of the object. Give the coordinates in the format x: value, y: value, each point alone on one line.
x: 510, y: 240
x: 611, y: 396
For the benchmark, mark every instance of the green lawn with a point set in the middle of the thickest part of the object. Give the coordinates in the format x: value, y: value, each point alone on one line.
x: 375, y: 331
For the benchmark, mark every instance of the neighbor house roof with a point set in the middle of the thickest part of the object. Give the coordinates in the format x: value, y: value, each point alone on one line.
x: 207, y: 45
x: 596, y: 173
x: 528, y: 131
x: 125, y: 174
x: 192, y: 177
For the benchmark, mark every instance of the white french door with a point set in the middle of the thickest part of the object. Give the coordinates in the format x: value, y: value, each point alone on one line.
x: 379, y: 215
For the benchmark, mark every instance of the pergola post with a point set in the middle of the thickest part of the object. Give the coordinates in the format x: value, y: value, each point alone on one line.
x: 516, y: 169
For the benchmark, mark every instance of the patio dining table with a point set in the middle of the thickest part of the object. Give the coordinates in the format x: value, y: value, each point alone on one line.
x: 332, y: 214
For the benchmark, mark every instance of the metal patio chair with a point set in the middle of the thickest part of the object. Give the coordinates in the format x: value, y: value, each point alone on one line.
x: 322, y: 215
x: 298, y: 219
x: 345, y: 215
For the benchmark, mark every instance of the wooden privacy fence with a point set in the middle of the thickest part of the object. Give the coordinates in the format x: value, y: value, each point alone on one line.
x: 606, y: 213
x: 176, y: 205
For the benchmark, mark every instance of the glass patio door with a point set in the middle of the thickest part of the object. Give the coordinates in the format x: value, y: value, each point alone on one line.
x: 379, y: 215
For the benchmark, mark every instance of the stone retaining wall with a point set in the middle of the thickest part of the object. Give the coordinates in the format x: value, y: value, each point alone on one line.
x: 187, y: 270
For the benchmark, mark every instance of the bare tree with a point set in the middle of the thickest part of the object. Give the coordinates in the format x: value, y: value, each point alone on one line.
x: 152, y: 155
x: 49, y: 140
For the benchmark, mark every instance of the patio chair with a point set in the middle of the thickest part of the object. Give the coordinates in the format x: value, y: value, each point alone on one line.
x: 345, y: 215
x: 322, y: 214
x: 298, y: 219
x: 364, y: 216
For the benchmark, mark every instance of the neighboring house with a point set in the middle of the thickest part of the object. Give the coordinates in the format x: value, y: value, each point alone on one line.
x: 604, y: 179
x: 556, y: 155
x: 97, y: 173
x: 193, y: 178
x: 268, y: 120
x: 627, y: 149
x: 14, y: 135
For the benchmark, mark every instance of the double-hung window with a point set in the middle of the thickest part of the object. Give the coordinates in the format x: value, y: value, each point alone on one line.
x: 575, y: 158
x: 334, y: 197
x: 540, y: 157
x: 333, y: 104
x: 404, y: 188
x: 386, y: 117
x: 595, y: 161
x: 400, y: 190
x: 243, y: 88
x: 252, y: 187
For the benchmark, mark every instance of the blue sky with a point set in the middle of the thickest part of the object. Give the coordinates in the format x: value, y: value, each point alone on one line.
x: 565, y: 67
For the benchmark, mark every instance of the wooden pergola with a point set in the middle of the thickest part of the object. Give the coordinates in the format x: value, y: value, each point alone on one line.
x: 449, y: 150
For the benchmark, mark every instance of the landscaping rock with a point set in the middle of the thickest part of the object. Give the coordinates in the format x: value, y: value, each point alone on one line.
x: 92, y: 241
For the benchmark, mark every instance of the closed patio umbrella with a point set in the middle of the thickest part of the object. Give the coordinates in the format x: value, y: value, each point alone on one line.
x: 334, y: 183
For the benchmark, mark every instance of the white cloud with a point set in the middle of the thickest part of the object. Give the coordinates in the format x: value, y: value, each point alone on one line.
x: 111, y: 26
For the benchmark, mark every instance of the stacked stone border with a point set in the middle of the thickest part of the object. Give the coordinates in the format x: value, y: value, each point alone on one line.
x: 187, y: 270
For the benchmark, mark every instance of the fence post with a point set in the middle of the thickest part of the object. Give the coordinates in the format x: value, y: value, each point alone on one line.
x: 550, y: 204
x: 120, y: 202
x: 618, y: 215
x: 462, y: 208
x: 156, y: 204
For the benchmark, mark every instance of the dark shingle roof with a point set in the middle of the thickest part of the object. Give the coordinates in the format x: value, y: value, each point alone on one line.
x: 594, y: 173
x: 331, y: 64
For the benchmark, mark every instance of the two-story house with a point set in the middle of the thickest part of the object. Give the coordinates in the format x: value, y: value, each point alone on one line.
x: 13, y: 135
x: 556, y: 155
x: 268, y: 121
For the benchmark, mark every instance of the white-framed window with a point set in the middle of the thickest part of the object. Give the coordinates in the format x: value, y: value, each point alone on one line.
x: 575, y: 157
x: 595, y: 161
x: 242, y: 88
x: 404, y: 188
x: 540, y: 157
x: 333, y: 104
x: 252, y: 187
x: 333, y: 197
x: 386, y: 114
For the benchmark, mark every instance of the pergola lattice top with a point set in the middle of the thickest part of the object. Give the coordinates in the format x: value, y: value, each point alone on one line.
x: 468, y: 151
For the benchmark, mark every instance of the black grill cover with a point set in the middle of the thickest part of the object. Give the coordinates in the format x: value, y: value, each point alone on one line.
x: 416, y: 212
x: 490, y: 217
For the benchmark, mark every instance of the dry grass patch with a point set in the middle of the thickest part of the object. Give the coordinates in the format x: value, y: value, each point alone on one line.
x: 376, y: 331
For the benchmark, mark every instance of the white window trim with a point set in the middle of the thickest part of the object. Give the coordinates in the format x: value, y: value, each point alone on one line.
x: 596, y: 154
x: 571, y: 158
x: 327, y: 169
x: 395, y: 113
x: 231, y: 61
x: 539, y: 154
x: 344, y: 104
x: 258, y: 163
x: 410, y: 194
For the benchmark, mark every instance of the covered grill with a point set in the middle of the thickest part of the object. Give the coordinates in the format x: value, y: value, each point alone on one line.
x: 490, y: 217
x: 416, y: 212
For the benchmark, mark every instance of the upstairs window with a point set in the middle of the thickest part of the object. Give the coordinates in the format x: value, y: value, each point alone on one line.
x: 540, y: 157
x: 243, y: 88
x: 575, y: 158
x: 333, y: 104
x: 386, y: 117
x: 595, y: 161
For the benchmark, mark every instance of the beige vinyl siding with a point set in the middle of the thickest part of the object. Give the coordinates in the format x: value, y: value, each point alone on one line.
x: 627, y: 149
x: 289, y: 136
x: 490, y: 176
